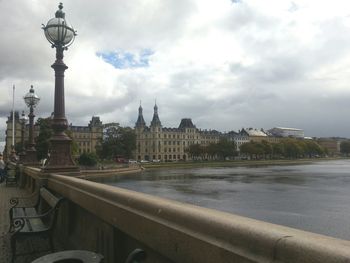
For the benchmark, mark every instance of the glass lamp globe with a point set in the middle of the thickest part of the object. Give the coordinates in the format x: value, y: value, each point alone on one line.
x: 58, y: 32
x: 31, y: 99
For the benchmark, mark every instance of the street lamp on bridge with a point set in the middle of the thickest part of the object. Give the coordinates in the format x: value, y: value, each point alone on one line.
x: 61, y: 35
x: 23, y: 120
x: 31, y: 100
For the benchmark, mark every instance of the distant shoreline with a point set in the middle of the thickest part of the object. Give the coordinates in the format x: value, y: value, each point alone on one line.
x: 235, y: 163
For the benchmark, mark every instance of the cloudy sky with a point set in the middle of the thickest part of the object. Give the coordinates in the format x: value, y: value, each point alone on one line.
x: 226, y: 64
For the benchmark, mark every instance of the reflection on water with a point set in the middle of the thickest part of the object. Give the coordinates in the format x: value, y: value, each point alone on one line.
x: 313, y: 197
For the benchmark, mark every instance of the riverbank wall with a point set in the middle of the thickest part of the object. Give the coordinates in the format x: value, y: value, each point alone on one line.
x: 235, y: 163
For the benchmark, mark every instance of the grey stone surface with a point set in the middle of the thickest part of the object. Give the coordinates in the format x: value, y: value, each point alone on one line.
x: 25, y: 247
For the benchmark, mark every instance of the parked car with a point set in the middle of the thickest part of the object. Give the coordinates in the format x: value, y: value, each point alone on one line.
x: 155, y: 161
x: 132, y: 161
x: 144, y: 161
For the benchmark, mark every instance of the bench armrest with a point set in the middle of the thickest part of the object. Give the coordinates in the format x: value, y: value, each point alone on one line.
x: 16, y: 225
x: 14, y: 201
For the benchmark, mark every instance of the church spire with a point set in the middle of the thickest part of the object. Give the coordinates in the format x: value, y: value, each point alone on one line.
x: 155, y: 120
x: 140, y: 120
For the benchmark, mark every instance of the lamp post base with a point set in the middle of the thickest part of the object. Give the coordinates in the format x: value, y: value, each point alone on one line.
x: 30, y: 158
x: 60, y: 160
x: 22, y: 157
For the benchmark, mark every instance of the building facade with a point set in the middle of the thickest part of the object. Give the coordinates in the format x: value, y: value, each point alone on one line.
x: 86, y: 137
x: 246, y: 135
x: 9, y: 133
x: 156, y: 142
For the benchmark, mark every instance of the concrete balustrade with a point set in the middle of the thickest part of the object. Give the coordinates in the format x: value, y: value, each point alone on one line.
x: 113, y: 221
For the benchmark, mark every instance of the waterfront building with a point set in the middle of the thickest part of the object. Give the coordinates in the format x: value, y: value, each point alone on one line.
x: 331, y: 144
x: 9, y: 133
x: 86, y: 137
x: 246, y: 135
x: 156, y: 142
x: 286, y: 132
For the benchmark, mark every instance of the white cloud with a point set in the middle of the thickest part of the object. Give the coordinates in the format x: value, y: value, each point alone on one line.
x: 225, y: 64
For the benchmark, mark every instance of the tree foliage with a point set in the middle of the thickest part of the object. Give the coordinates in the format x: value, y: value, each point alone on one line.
x: 88, y: 159
x: 286, y: 148
x: 221, y: 150
x: 345, y: 147
x: 117, y: 141
x: 43, y: 144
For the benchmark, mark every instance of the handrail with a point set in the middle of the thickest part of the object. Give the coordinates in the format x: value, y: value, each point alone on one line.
x: 188, y: 233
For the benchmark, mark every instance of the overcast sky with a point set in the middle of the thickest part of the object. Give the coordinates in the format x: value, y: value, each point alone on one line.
x: 226, y: 64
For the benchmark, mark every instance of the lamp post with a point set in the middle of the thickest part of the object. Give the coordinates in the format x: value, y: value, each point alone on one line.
x: 23, y: 120
x: 31, y: 100
x: 61, y: 35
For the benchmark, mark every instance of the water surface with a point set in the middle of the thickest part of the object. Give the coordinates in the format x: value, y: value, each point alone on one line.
x: 313, y: 197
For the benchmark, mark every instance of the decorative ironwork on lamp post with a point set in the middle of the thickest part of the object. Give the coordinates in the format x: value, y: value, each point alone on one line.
x: 61, y: 35
x: 31, y: 100
x: 23, y: 120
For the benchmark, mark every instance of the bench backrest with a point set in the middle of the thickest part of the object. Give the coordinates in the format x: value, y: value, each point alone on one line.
x: 50, y: 199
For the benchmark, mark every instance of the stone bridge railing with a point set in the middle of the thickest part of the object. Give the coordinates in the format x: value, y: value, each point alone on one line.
x: 114, y: 221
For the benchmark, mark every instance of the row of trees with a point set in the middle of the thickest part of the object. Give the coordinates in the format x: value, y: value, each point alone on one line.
x: 221, y: 150
x: 286, y: 148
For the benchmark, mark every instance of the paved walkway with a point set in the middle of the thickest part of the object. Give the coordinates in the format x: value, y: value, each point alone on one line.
x: 6, y: 192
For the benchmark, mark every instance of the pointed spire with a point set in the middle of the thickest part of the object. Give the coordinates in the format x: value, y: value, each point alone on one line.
x: 155, y: 120
x: 140, y: 120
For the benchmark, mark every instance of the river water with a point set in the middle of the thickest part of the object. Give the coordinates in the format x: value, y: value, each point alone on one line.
x: 313, y: 197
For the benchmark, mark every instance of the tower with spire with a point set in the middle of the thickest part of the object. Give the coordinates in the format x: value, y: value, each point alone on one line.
x: 157, y: 143
x: 155, y: 123
x: 140, y: 123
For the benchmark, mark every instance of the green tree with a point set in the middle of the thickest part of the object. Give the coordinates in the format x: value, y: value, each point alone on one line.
x: 345, y: 147
x: 196, y: 151
x: 248, y: 149
x: 43, y: 144
x: 277, y: 150
x: 211, y: 150
x: 226, y: 148
x: 88, y: 159
x: 117, y: 141
x: 267, y: 148
x: 291, y: 148
x: 312, y: 149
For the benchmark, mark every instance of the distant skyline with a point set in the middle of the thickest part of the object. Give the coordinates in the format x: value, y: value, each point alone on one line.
x: 226, y: 64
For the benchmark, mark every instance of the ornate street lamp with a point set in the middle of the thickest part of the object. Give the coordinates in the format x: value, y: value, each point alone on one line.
x: 61, y: 35
x: 31, y: 100
x: 23, y: 120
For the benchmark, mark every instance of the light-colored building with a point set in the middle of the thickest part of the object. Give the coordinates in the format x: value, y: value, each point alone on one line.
x: 9, y: 133
x: 286, y: 132
x: 246, y: 135
x: 86, y: 137
x: 168, y: 144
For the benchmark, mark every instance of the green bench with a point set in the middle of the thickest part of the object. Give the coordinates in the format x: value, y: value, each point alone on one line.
x: 27, y: 221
